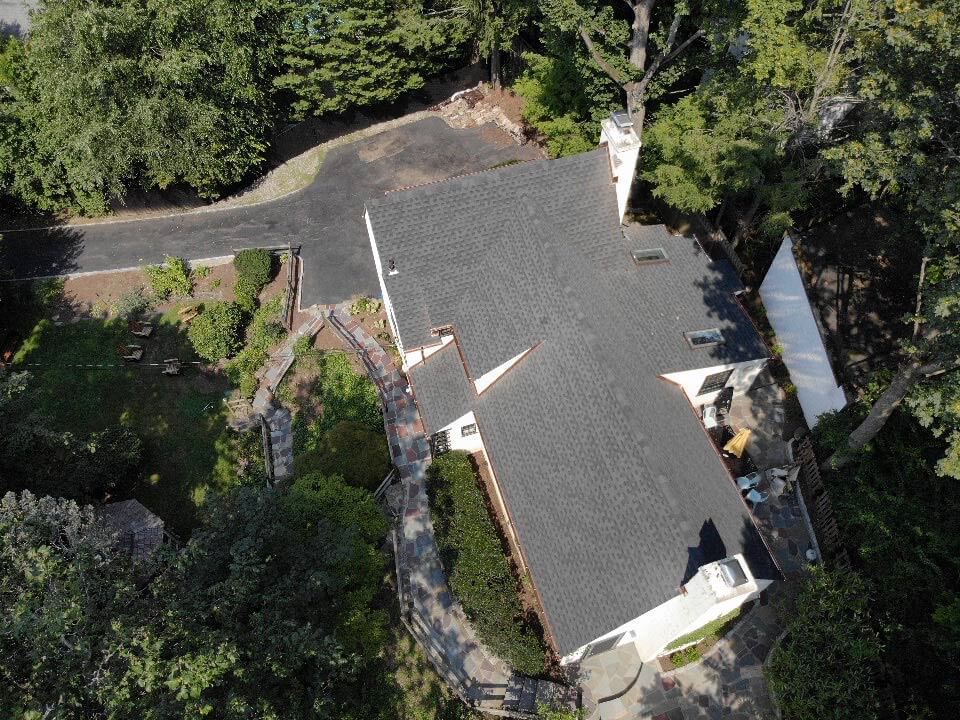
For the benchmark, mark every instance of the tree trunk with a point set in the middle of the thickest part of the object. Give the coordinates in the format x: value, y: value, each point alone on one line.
x: 641, y: 33
x: 495, y: 66
x: 746, y: 220
x: 908, y: 376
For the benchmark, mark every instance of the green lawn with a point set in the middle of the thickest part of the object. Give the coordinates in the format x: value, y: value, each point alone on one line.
x: 187, y: 448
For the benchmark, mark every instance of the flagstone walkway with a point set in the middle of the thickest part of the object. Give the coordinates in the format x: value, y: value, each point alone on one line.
x: 430, y: 612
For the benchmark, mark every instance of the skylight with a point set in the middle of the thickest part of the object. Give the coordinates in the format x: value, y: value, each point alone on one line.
x: 704, y: 338
x: 651, y: 255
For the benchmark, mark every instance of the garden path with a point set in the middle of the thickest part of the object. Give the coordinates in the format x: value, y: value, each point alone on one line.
x: 430, y: 612
x: 278, y: 418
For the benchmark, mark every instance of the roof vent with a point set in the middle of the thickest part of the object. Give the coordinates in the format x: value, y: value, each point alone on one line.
x: 732, y: 572
x: 649, y: 256
x: 704, y: 338
x: 392, y: 267
x: 622, y: 120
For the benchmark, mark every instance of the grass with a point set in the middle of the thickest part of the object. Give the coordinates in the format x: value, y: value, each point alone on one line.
x: 187, y: 449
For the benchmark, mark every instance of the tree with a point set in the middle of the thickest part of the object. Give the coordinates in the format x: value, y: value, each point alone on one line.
x: 341, y: 55
x: 622, y: 50
x: 496, y: 24
x: 62, y: 586
x: 215, y: 333
x: 825, y: 665
x: 266, y: 613
x: 116, y: 94
x: 351, y: 451
x: 904, y: 149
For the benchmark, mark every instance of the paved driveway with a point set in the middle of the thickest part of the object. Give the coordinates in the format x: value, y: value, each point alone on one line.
x: 326, y: 218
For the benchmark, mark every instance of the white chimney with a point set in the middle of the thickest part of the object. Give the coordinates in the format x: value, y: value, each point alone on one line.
x: 623, y: 145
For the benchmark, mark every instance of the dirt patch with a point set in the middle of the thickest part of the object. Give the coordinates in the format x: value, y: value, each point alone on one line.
x: 508, y: 101
x: 483, y: 106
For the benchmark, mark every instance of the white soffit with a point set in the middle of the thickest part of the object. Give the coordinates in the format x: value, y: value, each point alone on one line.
x: 791, y: 317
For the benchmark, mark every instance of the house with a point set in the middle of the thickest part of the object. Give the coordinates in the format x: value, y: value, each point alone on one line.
x: 572, y: 354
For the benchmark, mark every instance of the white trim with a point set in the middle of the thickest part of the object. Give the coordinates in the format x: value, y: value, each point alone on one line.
x: 388, y: 306
x: 491, y: 376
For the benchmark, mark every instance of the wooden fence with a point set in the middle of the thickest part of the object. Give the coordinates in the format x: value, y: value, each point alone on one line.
x: 818, y: 504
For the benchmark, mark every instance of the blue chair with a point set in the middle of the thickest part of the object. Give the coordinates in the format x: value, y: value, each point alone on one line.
x: 757, y: 497
x: 749, y: 482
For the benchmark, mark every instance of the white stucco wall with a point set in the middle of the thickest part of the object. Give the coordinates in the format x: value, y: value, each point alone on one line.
x: 681, y: 614
x: 789, y: 312
x: 490, y: 377
x: 411, y: 358
x: 624, y: 150
x: 469, y: 443
x: 692, y: 380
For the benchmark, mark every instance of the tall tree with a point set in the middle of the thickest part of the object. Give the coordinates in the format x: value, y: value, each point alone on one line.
x: 624, y: 49
x: 904, y: 148
x: 113, y: 94
x: 496, y: 25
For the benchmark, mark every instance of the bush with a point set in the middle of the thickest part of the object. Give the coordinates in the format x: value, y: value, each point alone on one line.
x: 302, y: 346
x: 170, y: 279
x: 131, y: 304
x: 686, y: 656
x: 480, y: 573
x: 215, y: 333
x: 352, y: 451
x: 254, y: 267
x: 264, y: 332
x: 365, y: 305
x: 246, y: 294
x: 828, y: 664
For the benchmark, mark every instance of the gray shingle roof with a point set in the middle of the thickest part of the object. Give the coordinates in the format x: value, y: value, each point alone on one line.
x: 614, y: 488
x: 441, y: 388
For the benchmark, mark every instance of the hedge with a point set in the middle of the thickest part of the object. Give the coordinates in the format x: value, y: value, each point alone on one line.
x: 715, y: 627
x: 480, y: 573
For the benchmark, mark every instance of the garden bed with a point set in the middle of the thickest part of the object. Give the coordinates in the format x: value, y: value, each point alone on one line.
x: 684, y: 651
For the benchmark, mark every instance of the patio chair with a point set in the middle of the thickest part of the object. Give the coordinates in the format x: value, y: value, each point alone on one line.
x: 132, y: 353
x: 710, y: 417
x: 757, y: 497
x: 749, y: 482
x: 171, y: 367
x: 141, y: 329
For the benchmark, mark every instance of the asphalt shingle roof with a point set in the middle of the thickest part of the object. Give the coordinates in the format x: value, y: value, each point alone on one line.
x: 615, y: 490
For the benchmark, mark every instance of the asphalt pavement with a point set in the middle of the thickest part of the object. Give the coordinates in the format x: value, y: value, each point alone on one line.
x: 325, y: 219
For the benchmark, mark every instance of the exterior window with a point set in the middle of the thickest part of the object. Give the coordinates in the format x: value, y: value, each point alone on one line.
x: 470, y: 429
x: 704, y: 338
x: 646, y: 257
x: 712, y: 383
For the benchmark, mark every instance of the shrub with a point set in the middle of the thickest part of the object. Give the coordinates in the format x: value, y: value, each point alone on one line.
x: 686, y: 656
x: 717, y: 628
x: 246, y: 294
x: 215, y: 333
x: 131, y: 304
x: 352, y: 451
x: 254, y: 266
x: 480, y: 573
x: 170, y: 279
x: 365, y: 305
x: 829, y: 662
x: 201, y: 271
x: 302, y: 346
x: 264, y: 332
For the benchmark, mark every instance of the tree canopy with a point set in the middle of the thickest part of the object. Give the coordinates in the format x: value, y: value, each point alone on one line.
x: 267, y: 611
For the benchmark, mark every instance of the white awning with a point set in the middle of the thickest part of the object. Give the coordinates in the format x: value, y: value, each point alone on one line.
x: 791, y: 316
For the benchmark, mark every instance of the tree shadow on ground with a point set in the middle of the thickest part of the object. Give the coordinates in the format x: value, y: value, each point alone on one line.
x: 82, y: 384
